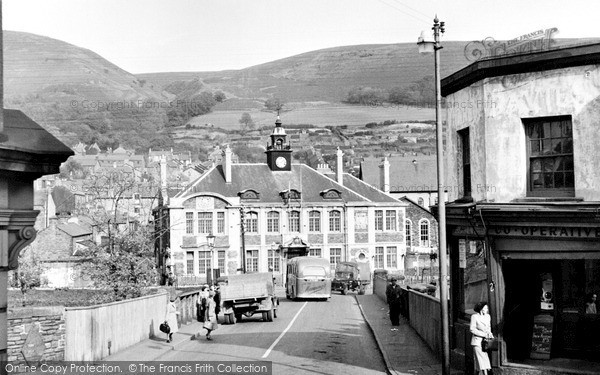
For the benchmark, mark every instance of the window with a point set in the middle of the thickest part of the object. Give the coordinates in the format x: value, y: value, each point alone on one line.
x: 335, y: 256
x: 220, y: 222
x: 221, y: 261
x: 136, y: 196
x: 421, y: 202
x: 251, y: 261
x: 251, y: 222
x: 314, y: 221
x: 335, y: 221
x: 424, y: 229
x: 378, y: 220
x: 392, y: 257
x: 294, y: 221
x: 314, y: 252
x: 136, y: 210
x: 189, y: 263
x: 189, y: 223
x: 273, y: 222
x: 204, y: 262
x: 378, y: 261
x: 273, y: 260
x: 465, y: 152
x: 390, y: 220
x: 205, y: 222
x: 550, y: 153
x: 408, y: 229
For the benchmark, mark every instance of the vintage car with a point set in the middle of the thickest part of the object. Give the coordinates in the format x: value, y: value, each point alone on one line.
x: 351, y: 276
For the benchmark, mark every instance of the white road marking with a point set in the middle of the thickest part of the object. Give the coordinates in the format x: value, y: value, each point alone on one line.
x: 284, y: 331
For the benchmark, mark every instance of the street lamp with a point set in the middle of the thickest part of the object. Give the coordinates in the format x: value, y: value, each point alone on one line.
x: 428, y: 47
x: 210, y: 239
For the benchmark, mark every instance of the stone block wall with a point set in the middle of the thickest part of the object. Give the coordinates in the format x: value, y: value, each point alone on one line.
x: 49, y: 322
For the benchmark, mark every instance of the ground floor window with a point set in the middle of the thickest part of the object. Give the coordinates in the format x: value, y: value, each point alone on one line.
x: 315, y: 252
x: 204, y: 262
x: 189, y: 263
x: 221, y: 261
x: 335, y: 256
x: 251, y: 261
x: 273, y: 261
x: 378, y: 260
x: 392, y: 257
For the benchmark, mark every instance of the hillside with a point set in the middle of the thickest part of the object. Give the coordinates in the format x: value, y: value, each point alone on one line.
x: 78, y: 95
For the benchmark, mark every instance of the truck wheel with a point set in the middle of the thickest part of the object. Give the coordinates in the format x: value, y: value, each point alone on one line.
x: 274, y: 313
x: 361, y: 291
x: 264, y: 317
x: 270, y: 315
x: 238, y: 317
x: 229, y: 319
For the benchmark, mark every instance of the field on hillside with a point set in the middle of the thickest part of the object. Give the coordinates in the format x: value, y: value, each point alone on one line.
x: 319, y: 115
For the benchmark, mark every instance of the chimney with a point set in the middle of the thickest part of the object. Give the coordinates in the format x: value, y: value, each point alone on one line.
x: 384, y: 175
x: 227, y: 164
x: 339, y: 170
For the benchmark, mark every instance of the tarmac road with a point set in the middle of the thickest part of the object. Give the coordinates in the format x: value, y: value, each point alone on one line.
x: 307, y: 337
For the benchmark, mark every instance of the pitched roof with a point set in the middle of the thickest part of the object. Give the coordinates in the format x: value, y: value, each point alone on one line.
x: 269, y: 184
x: 407, y: 173
x: 74, y: 230
x: 364, y: 189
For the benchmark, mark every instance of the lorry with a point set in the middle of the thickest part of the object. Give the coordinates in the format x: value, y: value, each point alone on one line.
x: 351, y: 276
x: 248, y: 294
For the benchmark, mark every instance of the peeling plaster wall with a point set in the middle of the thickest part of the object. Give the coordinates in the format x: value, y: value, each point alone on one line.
x: 494, y: 109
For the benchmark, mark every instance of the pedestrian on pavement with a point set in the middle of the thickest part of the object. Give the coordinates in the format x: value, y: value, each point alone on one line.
x: 171, y: 318
x: 202, y: 303
x: 217, y: 299
x: 481, y: 328
x: 394, y: 300
x: 210, y: 323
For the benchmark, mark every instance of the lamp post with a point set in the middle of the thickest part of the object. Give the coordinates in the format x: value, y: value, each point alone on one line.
x: 210, y: 239
x: 435, y: 47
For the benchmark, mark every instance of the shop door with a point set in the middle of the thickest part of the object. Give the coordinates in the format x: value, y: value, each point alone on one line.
x: 525, y: 282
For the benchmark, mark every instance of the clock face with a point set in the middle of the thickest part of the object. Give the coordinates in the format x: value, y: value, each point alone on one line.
x: 280, y: 162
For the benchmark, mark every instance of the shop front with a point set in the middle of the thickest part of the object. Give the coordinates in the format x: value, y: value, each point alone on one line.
x: 538, y: 266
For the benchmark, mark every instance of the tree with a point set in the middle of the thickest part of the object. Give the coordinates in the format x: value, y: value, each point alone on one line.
x: 274, y: 104
x: 247, y: 121
x: 219, y: 96
x: 28, y: 275
x: 364, y: 96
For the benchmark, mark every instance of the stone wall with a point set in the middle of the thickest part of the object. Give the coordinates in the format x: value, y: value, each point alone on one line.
x: 26, y: 323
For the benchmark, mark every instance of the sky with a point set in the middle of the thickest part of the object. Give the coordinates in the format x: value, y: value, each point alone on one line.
x: 143, y: 36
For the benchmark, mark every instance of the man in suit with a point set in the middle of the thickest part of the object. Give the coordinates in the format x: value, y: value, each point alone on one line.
x: 392, y: 293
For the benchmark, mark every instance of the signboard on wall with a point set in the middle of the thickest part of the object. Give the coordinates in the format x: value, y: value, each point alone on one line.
x: 462, y: 253
x: 541, y: 340
x: 361, y: 221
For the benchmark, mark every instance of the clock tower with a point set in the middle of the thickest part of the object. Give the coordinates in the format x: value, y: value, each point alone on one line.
x: 279, y: 154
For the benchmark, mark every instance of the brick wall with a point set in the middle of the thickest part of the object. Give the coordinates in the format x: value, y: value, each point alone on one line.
x: 50, y: 323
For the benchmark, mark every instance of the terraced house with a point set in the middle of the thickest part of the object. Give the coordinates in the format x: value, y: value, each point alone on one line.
x: 287, y: 210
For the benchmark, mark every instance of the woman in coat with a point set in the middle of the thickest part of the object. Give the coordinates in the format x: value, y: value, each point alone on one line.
x: 481, y: 328
x: 210, y: 323
x: 171, y: 318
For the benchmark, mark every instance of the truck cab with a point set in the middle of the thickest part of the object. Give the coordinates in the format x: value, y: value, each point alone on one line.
x: 351, y: 276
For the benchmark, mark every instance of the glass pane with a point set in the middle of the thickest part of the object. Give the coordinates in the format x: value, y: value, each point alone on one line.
x: 568, y: 163
x: 548, y: 164
x: 548, y: 180
x: 567, y: 146
x: 535, y: 147
x: 559, y: 164
x: 536, y: 179
x: 557, y: 146
x: 567, y: 129
x: 557, y: 129
x: 533, y: 131
x: 546, y: 133
x: 536, y: 165
x: 559, y: 180
x: 546, y: 147
x: 569, y: 179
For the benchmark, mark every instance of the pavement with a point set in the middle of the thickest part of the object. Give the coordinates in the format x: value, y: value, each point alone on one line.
x: 403, y: 350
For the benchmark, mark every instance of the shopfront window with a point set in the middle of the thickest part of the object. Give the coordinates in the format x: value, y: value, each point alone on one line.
x: 474, y: 275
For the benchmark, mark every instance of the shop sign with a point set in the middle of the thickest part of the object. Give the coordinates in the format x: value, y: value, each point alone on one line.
x: 547, y: 231
x: 462, y: 253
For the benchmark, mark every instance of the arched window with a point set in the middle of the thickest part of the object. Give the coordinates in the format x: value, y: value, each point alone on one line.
x: 314, y: 221
x: 294, y: 221
x: 408, y: 230
x: 421, y: 202
x: 273, y: 222
x: 424, y: 231
x: 335, y: 221
x: 251, y: 222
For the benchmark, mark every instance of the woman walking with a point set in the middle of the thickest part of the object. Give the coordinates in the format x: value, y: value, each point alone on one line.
x: 171, y: 318
x: 210, y: 323
x: 481, y: 329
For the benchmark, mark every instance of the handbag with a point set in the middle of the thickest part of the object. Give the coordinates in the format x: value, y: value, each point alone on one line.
x: 164, y: 327
x: 208, y: 325
x: 488, y: 345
